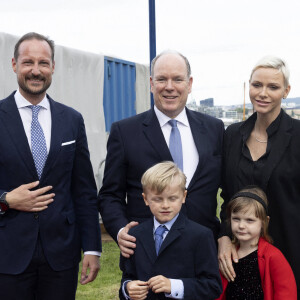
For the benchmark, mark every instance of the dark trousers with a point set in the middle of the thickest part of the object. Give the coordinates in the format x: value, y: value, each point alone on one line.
x: 39, y: 281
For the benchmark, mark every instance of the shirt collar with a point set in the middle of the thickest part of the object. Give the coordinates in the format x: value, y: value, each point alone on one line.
x: 163, y: 119
x: 22, y: 102
x: 247, y: 126
x: 168, y: 224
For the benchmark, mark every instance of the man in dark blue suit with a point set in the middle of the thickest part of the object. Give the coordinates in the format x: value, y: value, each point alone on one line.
x: 139, y: 142
x: 48, y: 210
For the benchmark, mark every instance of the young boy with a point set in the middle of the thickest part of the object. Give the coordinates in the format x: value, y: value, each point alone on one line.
x: 182, y: 262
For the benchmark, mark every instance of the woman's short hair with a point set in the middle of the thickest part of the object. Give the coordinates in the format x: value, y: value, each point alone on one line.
x: 161, y: 175
x: 274, y: 62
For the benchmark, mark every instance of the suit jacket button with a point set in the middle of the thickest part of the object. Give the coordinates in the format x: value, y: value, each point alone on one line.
x: 36, y: 215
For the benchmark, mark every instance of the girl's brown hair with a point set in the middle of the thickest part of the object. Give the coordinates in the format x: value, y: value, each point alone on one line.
x: 245, y: 203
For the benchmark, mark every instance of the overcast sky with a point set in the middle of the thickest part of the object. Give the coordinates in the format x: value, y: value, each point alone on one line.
x: 223, y: 39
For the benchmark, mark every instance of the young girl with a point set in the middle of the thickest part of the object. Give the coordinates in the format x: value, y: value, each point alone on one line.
x: 262, y: 271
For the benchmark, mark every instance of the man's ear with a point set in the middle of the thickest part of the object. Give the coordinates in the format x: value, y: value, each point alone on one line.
x: 14, y: 64
x: 145, y: 199
x: 151, y: 84
x: 190, y: 83
x: 184, y: 196
x: 53, y: 67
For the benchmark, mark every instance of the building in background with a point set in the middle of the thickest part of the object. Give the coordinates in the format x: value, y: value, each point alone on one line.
x: 209, y: 102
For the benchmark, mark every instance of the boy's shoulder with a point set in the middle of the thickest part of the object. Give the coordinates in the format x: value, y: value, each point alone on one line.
x: 141, y: 227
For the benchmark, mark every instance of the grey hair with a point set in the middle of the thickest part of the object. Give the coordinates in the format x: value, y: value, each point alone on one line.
x: 274, y: 62
x: 188, y: 66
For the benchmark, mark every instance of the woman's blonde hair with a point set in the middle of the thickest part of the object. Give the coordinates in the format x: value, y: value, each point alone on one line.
x: 274, y: 62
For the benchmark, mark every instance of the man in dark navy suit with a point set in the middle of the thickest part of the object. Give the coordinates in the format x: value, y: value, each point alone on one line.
x: 48, y: 196
x: 139, y: 142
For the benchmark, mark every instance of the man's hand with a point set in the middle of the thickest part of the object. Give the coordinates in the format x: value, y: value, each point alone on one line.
x: 137, y: 290
x: 92, y: 263
x: 127, y: 242
x: 226, y: 254
x: 160, y: 284
x: 22, y: 198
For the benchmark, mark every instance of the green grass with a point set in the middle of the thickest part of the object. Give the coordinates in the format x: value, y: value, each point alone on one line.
x: 106, y: 285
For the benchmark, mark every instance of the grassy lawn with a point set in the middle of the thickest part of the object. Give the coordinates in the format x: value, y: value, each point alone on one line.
x: 106, y: 285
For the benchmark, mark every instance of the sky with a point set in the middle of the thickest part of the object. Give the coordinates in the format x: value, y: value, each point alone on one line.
x: 223, y: 39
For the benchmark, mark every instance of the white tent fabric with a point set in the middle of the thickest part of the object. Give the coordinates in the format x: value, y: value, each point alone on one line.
x: 8, y: 82
x: 142, y: 88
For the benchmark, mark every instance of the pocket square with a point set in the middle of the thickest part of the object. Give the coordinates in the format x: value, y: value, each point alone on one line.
x: 68, y: 143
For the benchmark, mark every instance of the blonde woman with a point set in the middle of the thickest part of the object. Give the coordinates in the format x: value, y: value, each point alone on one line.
x: 265, y: 151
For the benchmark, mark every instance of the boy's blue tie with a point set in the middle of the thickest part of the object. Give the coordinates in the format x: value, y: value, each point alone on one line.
x: 175, y: 145
x: 159, y: 237
x: 38, y: 142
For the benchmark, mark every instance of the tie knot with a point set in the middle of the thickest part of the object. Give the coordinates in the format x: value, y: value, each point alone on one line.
x: 173, y: 123
x: 160, y: 230
x: 35, y: 109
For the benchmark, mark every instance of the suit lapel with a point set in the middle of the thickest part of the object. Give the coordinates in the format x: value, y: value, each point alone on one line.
x: 56, y: 135
x: 279, y: 146
x: 174, y: 233
x: 13, y: 122
x: 199, y: 135
x: 234, y: 143
x: 155, y: 136
x: 148, y: 243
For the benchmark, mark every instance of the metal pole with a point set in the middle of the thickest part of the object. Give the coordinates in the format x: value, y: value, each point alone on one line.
x: 152, y: 35
x: 244, y: 108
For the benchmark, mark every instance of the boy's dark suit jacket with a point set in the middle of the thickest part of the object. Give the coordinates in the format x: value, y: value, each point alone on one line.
x: 136, y: 144
x: 187, y: 253
x: 71, y: 222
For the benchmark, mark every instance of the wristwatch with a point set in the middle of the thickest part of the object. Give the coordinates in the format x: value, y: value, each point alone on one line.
x: 3, y: 204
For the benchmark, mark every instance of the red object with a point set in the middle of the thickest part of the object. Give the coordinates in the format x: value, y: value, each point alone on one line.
x: 277, y: 278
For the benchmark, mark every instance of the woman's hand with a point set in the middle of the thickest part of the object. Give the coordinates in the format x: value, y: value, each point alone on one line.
x: 227, y: 253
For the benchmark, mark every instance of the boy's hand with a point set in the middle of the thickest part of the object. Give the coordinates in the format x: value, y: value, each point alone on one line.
x: 137, y: 290
x: 160, y: 284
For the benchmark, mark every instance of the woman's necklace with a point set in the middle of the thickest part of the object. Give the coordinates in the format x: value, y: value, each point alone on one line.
x: 255, y: 136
